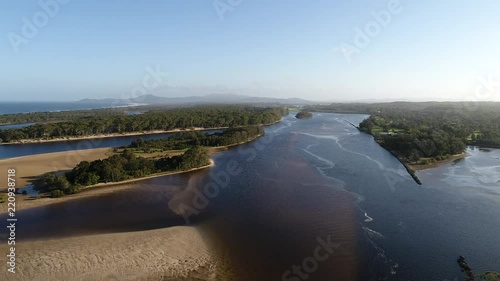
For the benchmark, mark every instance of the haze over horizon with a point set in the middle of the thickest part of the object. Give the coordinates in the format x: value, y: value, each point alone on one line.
x: 319, y: 51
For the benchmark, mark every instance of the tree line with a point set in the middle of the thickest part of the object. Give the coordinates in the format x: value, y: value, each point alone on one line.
x: 303, y: 115
x: 167, y: 119
x: 58, y: 116
x: 183, y: 140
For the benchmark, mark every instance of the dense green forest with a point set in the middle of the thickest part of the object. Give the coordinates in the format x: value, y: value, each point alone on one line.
x: 303, y: 115
x: 430, y: 130
x: 184, y: 140
x: 120, y: 167
x: 58, y: 116
x: 175, y: 118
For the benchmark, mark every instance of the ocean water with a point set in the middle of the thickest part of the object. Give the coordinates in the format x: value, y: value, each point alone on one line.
x: 25, y: 107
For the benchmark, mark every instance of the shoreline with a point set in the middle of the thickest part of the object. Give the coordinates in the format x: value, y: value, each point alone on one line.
x: 117, y: 135
x: 413, y: 169
x: 113, y: 135
x: 451, y: 159
x: 155, y: 175
x: 28, y: 202
x: 31, y: 167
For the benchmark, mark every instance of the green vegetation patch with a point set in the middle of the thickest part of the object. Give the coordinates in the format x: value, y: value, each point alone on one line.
x: 303, y: 115
x: 163, y: 120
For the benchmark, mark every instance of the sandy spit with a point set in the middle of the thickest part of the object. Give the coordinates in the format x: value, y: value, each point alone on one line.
x: 31, y: 167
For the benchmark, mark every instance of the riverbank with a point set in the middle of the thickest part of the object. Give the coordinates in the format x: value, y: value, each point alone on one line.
x: 24, y: 202
x: 115, y: 135
x: 31, y: 168
x: 90, y: 187
x: 413, y: 168
x: 420, y: 167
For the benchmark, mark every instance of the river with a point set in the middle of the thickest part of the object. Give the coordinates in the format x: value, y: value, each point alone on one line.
x: 17, y: 150
x: 269, y: 204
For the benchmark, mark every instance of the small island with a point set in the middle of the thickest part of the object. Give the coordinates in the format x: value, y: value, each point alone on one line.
x: 303, y: 115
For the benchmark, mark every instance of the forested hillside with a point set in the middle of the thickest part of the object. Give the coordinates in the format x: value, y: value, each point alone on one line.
x: 178, y: 118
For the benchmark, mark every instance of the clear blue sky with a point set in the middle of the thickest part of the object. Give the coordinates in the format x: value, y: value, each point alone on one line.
x: 282, y: 48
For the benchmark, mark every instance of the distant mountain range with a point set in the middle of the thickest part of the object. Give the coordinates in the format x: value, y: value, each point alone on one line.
x: 208, y: 99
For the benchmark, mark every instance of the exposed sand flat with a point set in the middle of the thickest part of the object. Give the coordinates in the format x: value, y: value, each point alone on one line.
x: 25, y: 202
x: 176, y: 253
x: 31, y: 167
x: 419, y: 167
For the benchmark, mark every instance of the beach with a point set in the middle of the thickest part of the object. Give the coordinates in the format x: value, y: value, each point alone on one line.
x: 164, y: 254
x: 175, y: 253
